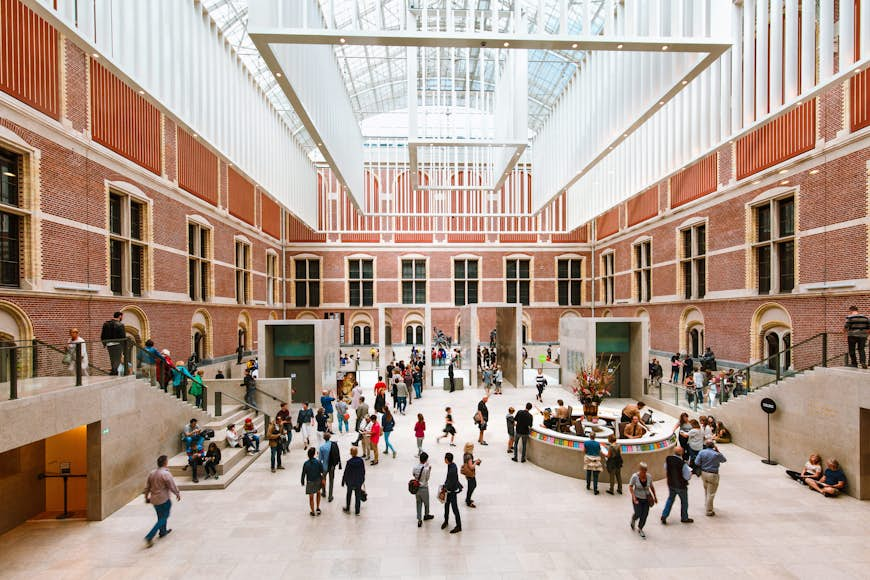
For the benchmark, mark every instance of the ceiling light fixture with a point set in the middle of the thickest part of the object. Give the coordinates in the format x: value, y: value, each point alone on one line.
x: 857, y: 71
x: 619, y: 46
x: 96, y: 55
x: 141, y: 92
x: 661, y: 102
x: 756, y: 182
x: 784, y: 182
x: 814, y: 171
x: 781, y: 171
x: 8, y: 174
x: 507, y: 44
x: 195, y: 136
x: 574, y: 45
x: 279, y: 75
x: 341, y: 40
x: 664, y: 47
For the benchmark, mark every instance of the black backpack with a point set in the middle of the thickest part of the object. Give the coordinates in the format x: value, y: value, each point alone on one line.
x: 334, y: 457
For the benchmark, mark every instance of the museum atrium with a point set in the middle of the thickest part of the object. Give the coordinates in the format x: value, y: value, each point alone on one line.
x: 622, y: 215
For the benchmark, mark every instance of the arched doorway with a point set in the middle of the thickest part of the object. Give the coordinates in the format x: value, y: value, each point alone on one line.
x: 692, y: 332
x: 361, y: 329
x: 772, y: 336
x: 200, y: 335
x: 414, y: 329
x: 15, y: 329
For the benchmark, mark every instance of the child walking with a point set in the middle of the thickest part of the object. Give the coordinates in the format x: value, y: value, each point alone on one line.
x: 449, y: 430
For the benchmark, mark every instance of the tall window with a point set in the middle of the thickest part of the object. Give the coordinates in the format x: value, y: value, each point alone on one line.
x: 413, y: 281
x: 570, y: 273
x: 127, y: 246
x: 517, y: 281
x: 271, y: 278
x: 465, y: 280
x: 307, y: 282
x: 774, y: 246
x: 360, y: 283
x: 643, y: 271
x: 693, y: 262
x: 198, y: 245
x: 362, y: 334
x: 11, y: 218
x: 243, y: 272
x: 609, y: 267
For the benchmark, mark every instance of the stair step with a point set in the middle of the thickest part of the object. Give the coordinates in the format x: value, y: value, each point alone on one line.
x: 185, y: 481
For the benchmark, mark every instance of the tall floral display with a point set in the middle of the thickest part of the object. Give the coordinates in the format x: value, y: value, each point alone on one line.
x: 594, y: 382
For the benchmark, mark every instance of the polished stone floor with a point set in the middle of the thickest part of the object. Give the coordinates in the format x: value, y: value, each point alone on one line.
x: 529, y: 523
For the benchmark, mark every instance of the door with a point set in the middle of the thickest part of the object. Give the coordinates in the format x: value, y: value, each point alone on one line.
x: 303, y: 382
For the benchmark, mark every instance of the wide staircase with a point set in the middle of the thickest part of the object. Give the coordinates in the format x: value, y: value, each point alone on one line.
x: 234, y: 460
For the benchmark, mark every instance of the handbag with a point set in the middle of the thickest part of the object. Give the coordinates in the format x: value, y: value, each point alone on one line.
x: 413, y: 486
x: 442, y: 494
x: 363, y: 496
x: 466, y: 471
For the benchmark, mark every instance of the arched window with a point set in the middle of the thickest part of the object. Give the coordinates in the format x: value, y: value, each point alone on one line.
x: 525, y: 334
x: 418, y: 335
x: 198, y: 345
x: 777, y: 341
x: 696, y: 341
x: 771, y: 330
x: 409, y: 334
x: 362, y: 334
x: 414, y: 334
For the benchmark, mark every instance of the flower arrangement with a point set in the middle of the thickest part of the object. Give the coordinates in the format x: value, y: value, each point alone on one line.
x: 594, y: 382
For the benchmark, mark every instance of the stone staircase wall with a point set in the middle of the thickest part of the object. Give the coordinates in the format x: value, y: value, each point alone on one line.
x: 818, y: 411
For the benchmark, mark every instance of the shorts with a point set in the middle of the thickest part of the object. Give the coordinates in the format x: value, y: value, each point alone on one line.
x: 450, y: 430
x: 312, y: 487
x: 482, y: 425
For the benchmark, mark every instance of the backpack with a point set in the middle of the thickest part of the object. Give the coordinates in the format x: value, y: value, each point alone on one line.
x: 413, y: 486
x: 334, y: 457
x: 478, y: 418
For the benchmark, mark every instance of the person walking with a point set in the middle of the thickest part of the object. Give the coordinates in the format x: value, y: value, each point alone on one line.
x: 355, y: 396
x: 362, y: 412
x: 469, y: 470
x: 481, y: 418
x: 421, y: 473
x: 69, y: 358
x: 511, y: 428
x: 417, y: 381
x: 450, y: 377
x: 353, y: 479
x: 498, y: 379
x: 592, y: 461
x: 540, y: 384
x: 678, y: 473
x: 341, y: 412
x: 419, y: 433
x: 614, y: 464
x: 524, y: 429
x: 451, y: 488
x: 388, y: 423
x: 327, y: 401
x: 857, y: 328
x: 330, y: 457
x: 273, y: 435
x: 312, y: 479
x: 375, y: 431
x: 709, y: 460
x: 449, y: 430
x: 303, y: 424
x: 114, y: 338
x: 643, y: 495
x: 158, y: 488
x: 402, y: 394
x: 250, y: 384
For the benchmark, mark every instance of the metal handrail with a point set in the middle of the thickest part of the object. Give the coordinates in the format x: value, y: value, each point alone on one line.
x: 273, y: 397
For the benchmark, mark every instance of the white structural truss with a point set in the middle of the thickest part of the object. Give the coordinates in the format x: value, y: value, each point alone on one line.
x: 629, y: 59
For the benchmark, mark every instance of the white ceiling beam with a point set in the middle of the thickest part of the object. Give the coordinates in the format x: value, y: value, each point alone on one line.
x: 460, y: 39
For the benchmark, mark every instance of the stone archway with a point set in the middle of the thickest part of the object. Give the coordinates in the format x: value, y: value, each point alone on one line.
x: 691, y: 339
x: 245, y: 331
x: 136, y: 324
x: 201, y: 324
x: 15, y: 329
x: 771, y: 331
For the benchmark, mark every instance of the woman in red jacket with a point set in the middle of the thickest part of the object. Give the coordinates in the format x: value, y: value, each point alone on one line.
x: 419, y: 432
x: 375, y: 430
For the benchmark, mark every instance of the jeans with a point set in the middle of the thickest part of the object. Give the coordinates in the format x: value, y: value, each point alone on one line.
x: 422, y: 502
x: 198, y: 402
x: 858, y: 343
x: 450, y: 503
x: 343, y: 425
x: 593, y: 476
x: 418, y: 390
x: 525, y: 441
x: 711, y: 484
x: 641, y: 511
x: 355, y: 489
x: 683, y: 494
x: 615, y: 477
x: 330, y: 473
x: 249, y: 397
x: 472, y: 485
x: 275, y: 458
x: 387, y: 445
x: 419, y: 445
x: 675, y: 375
x: 162, y: 518
x: 403, y: 404
x: 116, y: 351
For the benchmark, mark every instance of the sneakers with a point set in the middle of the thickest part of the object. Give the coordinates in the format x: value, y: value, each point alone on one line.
x: 455, y: 530
x: 687, y: 521
x: 318, y: 511
x: 345, y: 510
x: 444, y: 525
x: 641, y: 534
x: 609, y: 491
x: 429, y: 517
x: 664, y: 521
x: 149, y: 542
x: 419, y: 523
x: 513, y: 458
x: 273, y: 470
x: 394, y: 454
x: 280, y: 467
x: 633, y: 520
x: 484, y: 443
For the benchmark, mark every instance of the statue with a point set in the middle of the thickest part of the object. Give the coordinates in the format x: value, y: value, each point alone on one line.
x: 441, y: 340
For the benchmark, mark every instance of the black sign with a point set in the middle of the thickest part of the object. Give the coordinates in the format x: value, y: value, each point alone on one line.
x: 768, y: 405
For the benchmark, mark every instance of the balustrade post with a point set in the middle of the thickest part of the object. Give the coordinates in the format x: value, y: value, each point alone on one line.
x: 78, y: 363
x: 824, y: 350
x: 13, y: 373
x: 218, y: 400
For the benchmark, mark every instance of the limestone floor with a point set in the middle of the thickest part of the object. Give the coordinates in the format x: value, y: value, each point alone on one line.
x: 529, y: 524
